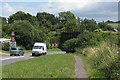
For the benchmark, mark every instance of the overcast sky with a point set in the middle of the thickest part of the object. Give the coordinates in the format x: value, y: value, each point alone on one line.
x: 100, y: 10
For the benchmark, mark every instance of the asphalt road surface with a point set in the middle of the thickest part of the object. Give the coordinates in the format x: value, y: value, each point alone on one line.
x: 7, y: 59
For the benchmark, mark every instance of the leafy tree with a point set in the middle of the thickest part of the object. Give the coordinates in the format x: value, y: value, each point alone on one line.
x: 70, y: 45
x: 68, y: 22
x: 22, y: 16
x: 24, y: 33
x: 105, y: 27
x: 89, y: 25
x: 17, y: 16
x: 47, y: 16
x: 84, y: 40
x: 66, y: 16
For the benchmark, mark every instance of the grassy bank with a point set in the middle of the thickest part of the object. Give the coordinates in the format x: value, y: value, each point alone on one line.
x: 54, y: 49
x: 4, y: 51
x: 30, y: 51
x: 101, y: 61
x: 48, y: 66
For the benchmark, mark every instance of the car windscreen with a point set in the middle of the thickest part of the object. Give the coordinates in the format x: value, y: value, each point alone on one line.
x: 13, y: 48
x: 37, y: 47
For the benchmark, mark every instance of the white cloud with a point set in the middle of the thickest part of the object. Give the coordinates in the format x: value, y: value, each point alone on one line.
x: 60, y: 6
x: 7, y: 10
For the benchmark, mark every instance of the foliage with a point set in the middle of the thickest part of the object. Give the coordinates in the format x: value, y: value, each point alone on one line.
x: 69, y: 45
x: 84, y: 40
x: 24, y: 33
x: 46, y: 27
x: 104, y: 61
x: 98, y: 30
x: 105, y: 27
x: 5, y: 46
x: 89, y: 25
x: 46, y: 17
x: 21, y: 16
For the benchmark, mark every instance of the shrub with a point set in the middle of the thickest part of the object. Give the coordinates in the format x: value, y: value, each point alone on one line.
x: 69, y: 45
x: 5, y: 46
x: 104, y: 58
x: 88, y: 39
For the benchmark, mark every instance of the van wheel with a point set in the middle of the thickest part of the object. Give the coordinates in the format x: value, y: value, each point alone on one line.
x: 45, y: 53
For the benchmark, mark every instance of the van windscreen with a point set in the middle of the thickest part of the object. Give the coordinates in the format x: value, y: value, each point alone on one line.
x: 37, y: 47
x: 13, y: 48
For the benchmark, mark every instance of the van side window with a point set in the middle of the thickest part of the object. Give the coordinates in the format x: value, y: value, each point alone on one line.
x: 43, y: 48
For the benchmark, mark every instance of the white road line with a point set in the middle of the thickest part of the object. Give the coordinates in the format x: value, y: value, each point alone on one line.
x: 12, y: 57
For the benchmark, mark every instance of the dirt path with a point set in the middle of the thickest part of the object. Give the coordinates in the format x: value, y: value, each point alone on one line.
x: 80, y: 72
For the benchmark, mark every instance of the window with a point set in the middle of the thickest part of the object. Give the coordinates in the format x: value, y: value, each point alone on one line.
x: 37, y: 47
x: 13, y: 48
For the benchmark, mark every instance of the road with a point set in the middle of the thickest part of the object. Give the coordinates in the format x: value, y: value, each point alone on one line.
x: 6, y: 59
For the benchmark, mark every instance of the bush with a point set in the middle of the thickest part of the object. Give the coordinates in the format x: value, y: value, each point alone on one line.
x: 5, y: 46
x: 69, y: 45
x: 83, y: 40
x: 105, y: 27
x: 104, y: 59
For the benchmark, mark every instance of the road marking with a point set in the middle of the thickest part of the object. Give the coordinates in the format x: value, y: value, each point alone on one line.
x: 12, y: 57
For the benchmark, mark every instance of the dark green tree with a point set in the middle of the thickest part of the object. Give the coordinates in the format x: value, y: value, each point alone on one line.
x: 89, y: 25
x: 105, y: 27
x: 24, y: 31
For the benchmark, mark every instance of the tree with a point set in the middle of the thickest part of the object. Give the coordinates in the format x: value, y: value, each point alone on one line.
x: 48, y: 17
x: 22, y: 16
x: 105, y: 27
x: 89, y: 25
x: 24, y: 31
x: 68, y: 22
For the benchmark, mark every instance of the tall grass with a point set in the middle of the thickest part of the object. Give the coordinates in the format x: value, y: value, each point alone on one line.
x: 104, y: 60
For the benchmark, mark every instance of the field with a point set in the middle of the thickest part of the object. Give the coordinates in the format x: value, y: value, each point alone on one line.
x: 114, y: 25
x: 48, y: 66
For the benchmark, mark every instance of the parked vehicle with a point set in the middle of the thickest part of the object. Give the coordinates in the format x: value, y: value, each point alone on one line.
x: 16, y: 51
x: 39, y: 48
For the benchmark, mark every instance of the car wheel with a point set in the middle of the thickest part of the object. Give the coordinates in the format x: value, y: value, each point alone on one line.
x: 14, y: 54
x: 10, y: 54
x: 22, y: 54
x: 33, y: 54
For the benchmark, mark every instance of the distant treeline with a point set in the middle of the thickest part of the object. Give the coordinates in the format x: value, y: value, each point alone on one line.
x: 108, y: 21
x: 48, y: 28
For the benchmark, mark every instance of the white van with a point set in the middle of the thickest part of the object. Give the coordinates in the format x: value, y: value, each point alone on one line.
x: 39, y: 48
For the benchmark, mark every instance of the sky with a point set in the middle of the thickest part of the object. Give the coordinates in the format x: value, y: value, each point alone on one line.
x: 100, y: 10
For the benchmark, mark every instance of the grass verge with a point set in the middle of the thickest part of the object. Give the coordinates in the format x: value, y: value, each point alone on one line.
x: 30, y: 51
x: 4, y: 51
x: 48, y: 66
x: 54, y: 49
x: 101, y: 61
